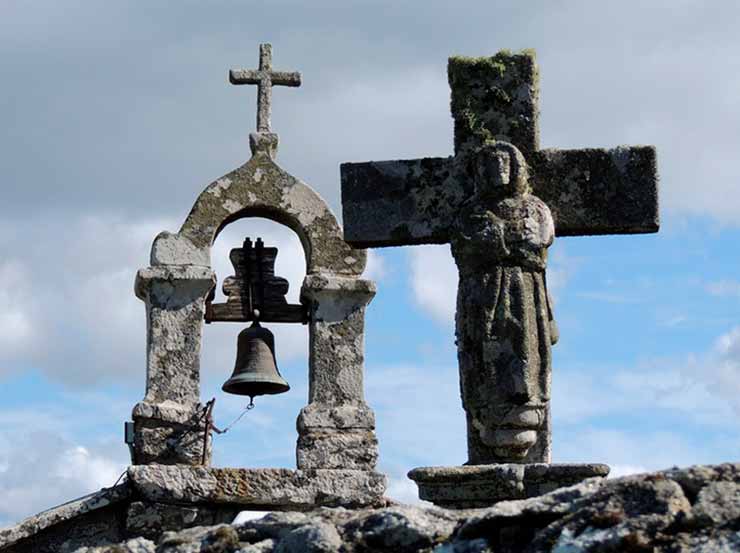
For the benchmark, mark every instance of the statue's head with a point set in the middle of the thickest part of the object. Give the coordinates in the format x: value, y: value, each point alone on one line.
x: 510, y: 410
x: 500, y: 170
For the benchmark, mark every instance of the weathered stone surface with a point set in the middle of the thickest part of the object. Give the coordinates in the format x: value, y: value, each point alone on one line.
x: 150, y: 519
x: 173, y: 249
x: 311, y: 538
x: 590, y: 191
x: 399, y: 528
x: 599, y: 191
x: 337, y: 327
x: 318, y: 416
x: 168, y: 433
x: 136, y: 545
x: 403, y: 202
x: 664, y: 512
x: 260, y: 188
x: 217, y: 539
x: 168, y: 411
x: 718, y: 503
x: 337, y: 449
x: 175, y: 300
x: 504, y: 322
x: 265, y: 78
x: 495, y: 98
x: 483, y: 485
x: 284, y: 488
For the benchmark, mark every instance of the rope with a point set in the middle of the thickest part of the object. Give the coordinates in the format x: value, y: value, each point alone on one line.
x: 210, y: 426
x: 196, y: 425
x: 237, y: 419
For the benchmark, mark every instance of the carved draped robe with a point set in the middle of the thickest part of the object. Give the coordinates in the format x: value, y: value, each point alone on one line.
x: 504, y: 320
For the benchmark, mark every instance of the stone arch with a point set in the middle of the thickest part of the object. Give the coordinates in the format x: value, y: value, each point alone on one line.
x: 260, y: 188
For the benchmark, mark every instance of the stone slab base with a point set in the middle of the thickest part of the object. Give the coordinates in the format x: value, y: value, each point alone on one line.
x: 473, y: 486
x: 265, y: 488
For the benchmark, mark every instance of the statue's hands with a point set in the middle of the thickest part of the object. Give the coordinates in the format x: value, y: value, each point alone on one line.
x: 493, y: 230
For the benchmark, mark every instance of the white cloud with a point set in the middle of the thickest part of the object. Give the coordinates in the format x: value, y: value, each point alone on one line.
x: 721, y: 369
x: 16, y: 324
x: 420, y: 420
x: 74, y: 299
x: 83, y: 324
x: 78, y: 464
x: 377, y: 269
x: 47, y: 458
x: 561, y: 267
x: 434, y: 282
x: 403, y: 489
x: 627, y: 452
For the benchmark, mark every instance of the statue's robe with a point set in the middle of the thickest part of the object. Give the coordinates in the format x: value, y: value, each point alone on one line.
x: 504, y: 321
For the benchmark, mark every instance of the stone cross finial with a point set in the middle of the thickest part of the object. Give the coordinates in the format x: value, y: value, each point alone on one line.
x: 265, y: 78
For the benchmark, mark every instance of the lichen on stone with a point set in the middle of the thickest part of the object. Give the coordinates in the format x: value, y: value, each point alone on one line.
x: 494, y: 97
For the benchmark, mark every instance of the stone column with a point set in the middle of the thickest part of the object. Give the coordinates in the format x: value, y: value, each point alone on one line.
x: 337, y: 428
x: 167, y: 425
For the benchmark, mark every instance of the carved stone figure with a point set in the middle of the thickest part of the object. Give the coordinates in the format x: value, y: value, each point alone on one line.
x: 504, y: 321
x: 479, y: 201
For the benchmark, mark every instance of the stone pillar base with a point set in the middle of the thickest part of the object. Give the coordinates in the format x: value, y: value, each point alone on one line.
x: 169, y: 434
x: 472, y: 486
x: 336, y: 437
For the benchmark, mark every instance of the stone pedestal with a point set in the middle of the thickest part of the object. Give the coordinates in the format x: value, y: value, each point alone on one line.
x: 473, y: 486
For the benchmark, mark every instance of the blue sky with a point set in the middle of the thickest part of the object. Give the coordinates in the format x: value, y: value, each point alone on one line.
x: 116, y: 116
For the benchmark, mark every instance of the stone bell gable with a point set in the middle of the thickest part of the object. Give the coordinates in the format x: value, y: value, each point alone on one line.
x: 336, y: 447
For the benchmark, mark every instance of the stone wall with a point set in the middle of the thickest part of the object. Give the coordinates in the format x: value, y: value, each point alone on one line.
x: 679, y: 510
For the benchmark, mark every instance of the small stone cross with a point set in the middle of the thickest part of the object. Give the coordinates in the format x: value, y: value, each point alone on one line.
x: 265, y: 78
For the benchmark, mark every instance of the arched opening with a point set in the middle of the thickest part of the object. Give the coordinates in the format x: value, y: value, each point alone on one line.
x: 266, y: 435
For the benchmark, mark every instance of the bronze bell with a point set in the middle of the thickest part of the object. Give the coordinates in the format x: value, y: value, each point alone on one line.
x: 255, y: 372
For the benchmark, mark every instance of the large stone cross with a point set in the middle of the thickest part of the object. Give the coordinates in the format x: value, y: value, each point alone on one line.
x: 589, y: 191
x: 265, y: 78
x: 496, y: 202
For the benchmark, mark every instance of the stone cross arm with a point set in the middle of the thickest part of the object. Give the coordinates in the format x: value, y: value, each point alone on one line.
x: 589, y: 191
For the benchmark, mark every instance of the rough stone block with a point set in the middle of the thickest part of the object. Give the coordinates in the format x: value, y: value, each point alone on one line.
x: 268, y: 488
x: 168, y: 433
x: 718, y: 503
x: 152, y: 519
x: 173, y: 249
x: 317, y: 416
x: 337, y: 449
